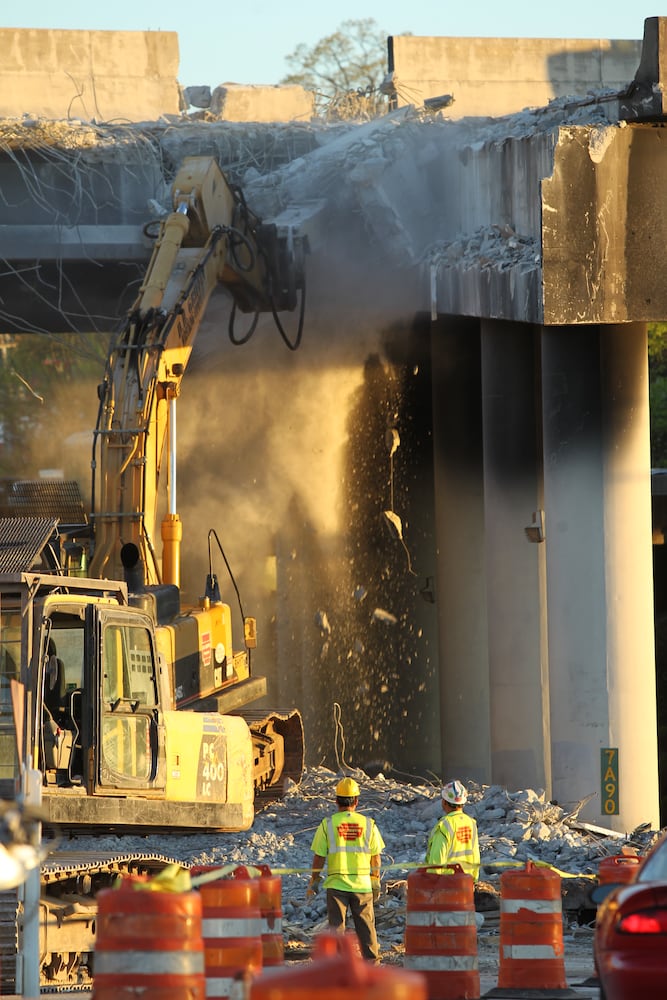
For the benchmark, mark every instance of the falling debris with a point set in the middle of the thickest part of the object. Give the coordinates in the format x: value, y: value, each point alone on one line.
x: 360, y: 593
x: 393, y: 440
x: 385, y: 616
x: 395, y: 521
x: 322, y: 622
x: 439, y: 103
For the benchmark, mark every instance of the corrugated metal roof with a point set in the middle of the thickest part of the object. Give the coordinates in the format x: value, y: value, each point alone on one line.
x: 59, y: 498
x: 22, y: 540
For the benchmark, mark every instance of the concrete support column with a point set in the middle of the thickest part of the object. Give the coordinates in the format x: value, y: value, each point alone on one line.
x: 459, y: 514
x: 600, y: 580
x: 515, y: 565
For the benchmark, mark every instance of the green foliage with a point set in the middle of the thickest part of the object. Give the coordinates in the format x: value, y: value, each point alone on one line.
x: 657, y: 365
x: 344, y: 71
x: 44, y: 381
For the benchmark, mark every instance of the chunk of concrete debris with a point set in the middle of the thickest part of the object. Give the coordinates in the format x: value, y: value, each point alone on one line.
x: 380, y: 615
x: 197, y: 97
x: 322, y: 622
x: 254, y: 103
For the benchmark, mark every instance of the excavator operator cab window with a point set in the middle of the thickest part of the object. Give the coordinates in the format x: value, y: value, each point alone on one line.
x: 128, y: 666
x: 69, y: 643
x: 129, y: 698
x: 62, y: 680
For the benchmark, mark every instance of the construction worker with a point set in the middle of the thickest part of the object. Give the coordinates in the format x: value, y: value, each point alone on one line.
x: 351, y: 845
x: 453, y: 839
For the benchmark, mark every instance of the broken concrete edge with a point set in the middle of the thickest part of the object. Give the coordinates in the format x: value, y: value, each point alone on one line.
x: 498, y: 257
x: 644, y: 99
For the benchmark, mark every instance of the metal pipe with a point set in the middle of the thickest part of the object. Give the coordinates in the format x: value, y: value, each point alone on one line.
x: 172, y: 454
x: 172, y: 529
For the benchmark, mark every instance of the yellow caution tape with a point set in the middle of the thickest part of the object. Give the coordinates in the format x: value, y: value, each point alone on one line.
x: 173, y: 878
x: 224, y: 872
x: 410, y: 865
x: 538, y: 864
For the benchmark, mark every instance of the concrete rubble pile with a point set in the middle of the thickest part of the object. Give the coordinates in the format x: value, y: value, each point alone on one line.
x: 513, y: 827
x: 292, y: 162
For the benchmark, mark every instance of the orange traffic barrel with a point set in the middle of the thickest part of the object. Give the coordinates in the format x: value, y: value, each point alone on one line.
x: 441, y: 932
x: 271, y: 912
x: 532, y: 954
x: 232, y: 931
x: 619, y: 868
x: 149, y: 944
x: 337, y: 972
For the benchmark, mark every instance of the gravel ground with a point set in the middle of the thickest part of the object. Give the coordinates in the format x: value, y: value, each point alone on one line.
x: 513, y: 827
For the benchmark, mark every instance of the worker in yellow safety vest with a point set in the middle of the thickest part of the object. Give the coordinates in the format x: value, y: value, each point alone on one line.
x: 453, y: 840
x: 350, y: 844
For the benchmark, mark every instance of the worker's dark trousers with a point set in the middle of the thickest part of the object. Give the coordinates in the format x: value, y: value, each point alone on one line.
x: 361, y: 907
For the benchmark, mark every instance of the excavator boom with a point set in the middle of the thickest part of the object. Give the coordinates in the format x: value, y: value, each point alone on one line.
x: 210, y: 239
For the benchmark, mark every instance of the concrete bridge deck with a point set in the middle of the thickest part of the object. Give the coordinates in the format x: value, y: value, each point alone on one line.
x: 482, y: 287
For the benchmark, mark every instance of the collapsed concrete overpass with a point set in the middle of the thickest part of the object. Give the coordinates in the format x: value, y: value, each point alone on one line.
x: 480, y: 288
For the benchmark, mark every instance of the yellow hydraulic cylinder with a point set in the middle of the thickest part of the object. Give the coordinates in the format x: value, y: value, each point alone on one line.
x: 172, y: 534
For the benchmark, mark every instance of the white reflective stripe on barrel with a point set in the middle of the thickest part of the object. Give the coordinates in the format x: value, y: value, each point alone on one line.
x: 229, y: 927
x: 222, y: 986
x: 534, y: 905
x: 523, y: 951
x: 274, y: 927
x: 168, y: 962
x: 441, y: 918
x: 441, y: 963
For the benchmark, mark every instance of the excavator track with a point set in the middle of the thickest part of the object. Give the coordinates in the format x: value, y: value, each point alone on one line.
x: 69, y: 883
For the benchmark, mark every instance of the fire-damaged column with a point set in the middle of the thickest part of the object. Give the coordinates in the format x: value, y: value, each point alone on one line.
x: 459, y: 513
x: 599, y: 577
x: 515, y: 556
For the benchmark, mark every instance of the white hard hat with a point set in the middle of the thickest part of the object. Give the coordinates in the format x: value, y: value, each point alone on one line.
x: 454, y: 793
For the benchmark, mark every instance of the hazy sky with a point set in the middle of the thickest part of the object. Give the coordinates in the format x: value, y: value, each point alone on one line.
x: 246, y: 41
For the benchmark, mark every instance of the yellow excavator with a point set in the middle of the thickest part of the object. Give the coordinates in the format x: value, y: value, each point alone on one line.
x: 132, y: 708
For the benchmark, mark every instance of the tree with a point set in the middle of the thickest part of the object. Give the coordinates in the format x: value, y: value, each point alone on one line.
x: 47, y: 392
x: 657, y: 364
x: 344, y: 70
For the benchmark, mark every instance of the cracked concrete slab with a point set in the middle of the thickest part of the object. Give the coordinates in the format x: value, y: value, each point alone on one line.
x: 519, y: 217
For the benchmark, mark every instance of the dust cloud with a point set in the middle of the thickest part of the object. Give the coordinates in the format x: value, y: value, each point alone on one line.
x: 285, y: 455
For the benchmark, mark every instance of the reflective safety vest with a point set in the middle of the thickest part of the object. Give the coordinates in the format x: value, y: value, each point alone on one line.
x: 453, y: 841
x: 348, y: 840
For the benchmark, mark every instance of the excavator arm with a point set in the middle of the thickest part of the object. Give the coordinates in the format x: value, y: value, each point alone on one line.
x: 209, y: 239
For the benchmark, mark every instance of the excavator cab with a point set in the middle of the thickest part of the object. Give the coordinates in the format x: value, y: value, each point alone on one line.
x: 102, y: 724
x: 127, y: 727
x: 101, y: 720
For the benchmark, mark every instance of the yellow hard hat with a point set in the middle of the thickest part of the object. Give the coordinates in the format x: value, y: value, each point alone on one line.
x: 347, y: 788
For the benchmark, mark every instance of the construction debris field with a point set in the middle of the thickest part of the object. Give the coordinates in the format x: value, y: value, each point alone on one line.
x: 513, y: 826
